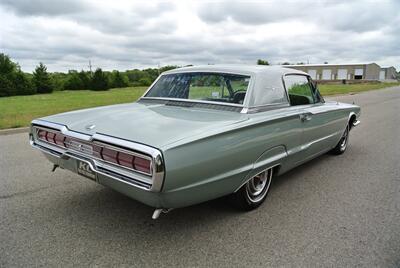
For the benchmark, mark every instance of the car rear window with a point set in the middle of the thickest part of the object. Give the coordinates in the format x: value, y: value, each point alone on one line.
x: 216, y: 87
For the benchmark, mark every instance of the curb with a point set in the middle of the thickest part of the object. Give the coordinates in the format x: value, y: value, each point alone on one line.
x: 10, y: 131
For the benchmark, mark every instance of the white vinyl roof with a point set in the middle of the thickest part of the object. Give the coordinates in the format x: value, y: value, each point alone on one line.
x: 265, y: 88
x: 237, y: 69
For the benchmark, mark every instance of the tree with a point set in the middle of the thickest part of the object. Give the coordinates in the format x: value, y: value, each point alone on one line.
x: 12, y: 80
x: 6, y: 86
x: 118, y: 80
x: 6, y: 65
x: 286, y: 63
x: 85, y: 79
x: 145, y: 81
x: 23, y: 85
x: 99, y: 80
x: 169, y: 67
x: 73, y: 81
x: 41, y: 79
x: 59, y: 80
x: 262, y: 62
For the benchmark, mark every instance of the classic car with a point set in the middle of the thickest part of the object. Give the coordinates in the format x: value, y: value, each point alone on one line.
x: 199, y: 133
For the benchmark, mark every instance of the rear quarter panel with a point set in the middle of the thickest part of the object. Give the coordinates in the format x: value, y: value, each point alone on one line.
x: 218, y: 163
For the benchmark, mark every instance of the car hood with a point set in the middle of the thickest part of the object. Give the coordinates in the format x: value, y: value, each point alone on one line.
x: 156, y: 125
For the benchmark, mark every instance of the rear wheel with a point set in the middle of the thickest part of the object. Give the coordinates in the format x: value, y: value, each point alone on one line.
x: 342, y: 144
x: 254, y: 192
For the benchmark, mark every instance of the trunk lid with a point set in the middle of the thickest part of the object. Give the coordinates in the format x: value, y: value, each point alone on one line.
x: 155, y: 125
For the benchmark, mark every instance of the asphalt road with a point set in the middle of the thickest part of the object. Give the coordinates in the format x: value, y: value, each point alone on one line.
x: 334, y: 211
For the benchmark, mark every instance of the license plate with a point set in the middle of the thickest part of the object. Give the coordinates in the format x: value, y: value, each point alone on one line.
x: 84, y: 169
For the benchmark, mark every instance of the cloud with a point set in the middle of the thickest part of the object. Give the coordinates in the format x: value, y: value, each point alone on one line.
x: 44, y: 7
x: 340, y: 15
x: 135, y: 34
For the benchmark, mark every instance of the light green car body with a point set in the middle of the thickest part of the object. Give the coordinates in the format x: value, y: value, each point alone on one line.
x: 209, y: 150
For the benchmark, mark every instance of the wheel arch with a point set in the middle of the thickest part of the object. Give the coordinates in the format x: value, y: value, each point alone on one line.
x: 271, y: 158
x: 352, y: 119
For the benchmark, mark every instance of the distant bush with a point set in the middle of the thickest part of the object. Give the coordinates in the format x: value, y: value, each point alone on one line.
x: 262, y: 62
x: 118, y: 80
x: 58, y: 80
x: 73, y: 82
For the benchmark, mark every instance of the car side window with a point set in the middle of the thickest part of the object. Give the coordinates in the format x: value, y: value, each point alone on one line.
x: 299, y: 89
x: 317, y: 95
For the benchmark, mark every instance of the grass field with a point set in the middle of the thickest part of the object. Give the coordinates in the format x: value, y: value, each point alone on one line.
x: 20, y: 110
x: 352, y: 88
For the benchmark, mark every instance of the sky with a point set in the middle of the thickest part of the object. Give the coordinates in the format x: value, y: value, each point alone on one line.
x: 120, y: 35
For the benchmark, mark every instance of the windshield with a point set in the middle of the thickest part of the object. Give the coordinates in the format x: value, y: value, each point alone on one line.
x: 219, y: 87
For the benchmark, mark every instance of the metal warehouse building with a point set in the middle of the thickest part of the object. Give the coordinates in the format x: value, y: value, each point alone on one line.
x: 387, y: 73
x: 361, y: 71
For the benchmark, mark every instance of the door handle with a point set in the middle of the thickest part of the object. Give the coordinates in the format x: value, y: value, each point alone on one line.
x: 305, y: 117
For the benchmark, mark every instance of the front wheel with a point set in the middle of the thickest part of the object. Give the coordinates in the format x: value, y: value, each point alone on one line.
x: 253, y: 193
x: 342, y: 144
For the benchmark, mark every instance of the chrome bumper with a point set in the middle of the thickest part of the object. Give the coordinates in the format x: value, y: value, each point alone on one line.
x: 135, y: 189
x: 68, y: 160
x: 152, y: 182
x: 356, y: 123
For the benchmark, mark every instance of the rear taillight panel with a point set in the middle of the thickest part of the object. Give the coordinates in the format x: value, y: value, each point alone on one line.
x: 108, y: 153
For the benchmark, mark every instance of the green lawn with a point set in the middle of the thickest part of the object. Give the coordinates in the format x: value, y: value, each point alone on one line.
x: 352, y: 88
x: 18, y: 111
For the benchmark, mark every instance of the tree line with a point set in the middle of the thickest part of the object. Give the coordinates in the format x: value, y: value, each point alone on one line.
x: 15, y: 82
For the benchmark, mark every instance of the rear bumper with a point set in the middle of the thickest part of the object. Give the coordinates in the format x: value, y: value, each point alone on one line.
x: 133, y: 188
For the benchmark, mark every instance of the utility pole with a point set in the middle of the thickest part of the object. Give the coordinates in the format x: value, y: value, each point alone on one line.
x: 158, y: 68
x: 90, y: 67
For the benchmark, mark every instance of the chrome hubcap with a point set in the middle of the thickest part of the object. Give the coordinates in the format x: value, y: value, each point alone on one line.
x: 257, y: 187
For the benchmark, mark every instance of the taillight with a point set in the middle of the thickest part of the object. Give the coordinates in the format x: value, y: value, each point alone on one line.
x: 141, y: 164
x: 109, y: 155
x: 42, y: 134
x: 125, y: 160
x: 99, y: 151
x: 51, y: 137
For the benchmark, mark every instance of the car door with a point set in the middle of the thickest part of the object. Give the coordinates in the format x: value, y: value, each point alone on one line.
x: 318, y: 121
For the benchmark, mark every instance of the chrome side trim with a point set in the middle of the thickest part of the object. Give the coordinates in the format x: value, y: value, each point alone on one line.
x: 156, y: 179
x: 269, y: 160
x: 193, y: 101
x: 305, y: 146
x: 266, y: 107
